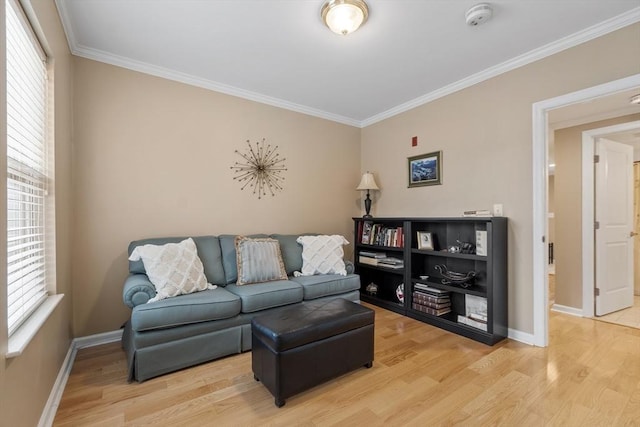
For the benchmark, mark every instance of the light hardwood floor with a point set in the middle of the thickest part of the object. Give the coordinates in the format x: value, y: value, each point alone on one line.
x: 422, y: 376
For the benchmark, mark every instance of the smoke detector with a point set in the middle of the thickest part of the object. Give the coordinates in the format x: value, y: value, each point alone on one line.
x: 478, y: 14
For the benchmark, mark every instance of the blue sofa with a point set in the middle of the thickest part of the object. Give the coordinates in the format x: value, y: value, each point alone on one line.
x: 178, y: 332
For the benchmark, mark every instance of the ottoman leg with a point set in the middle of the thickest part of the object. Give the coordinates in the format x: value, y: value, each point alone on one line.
x: 279, y: 402
x: 368, y: 365
x: 256, y: 378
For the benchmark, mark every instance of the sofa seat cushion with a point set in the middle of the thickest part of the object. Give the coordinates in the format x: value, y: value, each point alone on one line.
x: 322, y: 285
x: 214, y: 304
x: 261, y: 296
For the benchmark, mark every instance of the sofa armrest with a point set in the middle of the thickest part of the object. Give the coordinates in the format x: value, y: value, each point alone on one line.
x: 350, y: 267
x: 137, y: 290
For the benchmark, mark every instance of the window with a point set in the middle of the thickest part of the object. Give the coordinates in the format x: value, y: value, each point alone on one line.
x: 28, y: 204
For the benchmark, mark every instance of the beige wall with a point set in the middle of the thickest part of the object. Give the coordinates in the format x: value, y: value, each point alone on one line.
x: 27, y: 380
x: 568, y: 184
x: 153, y: 159
x: 485, y: 134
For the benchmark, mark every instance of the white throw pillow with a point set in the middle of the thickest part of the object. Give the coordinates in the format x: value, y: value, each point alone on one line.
x: 322, y: 255
x: 174, y: 268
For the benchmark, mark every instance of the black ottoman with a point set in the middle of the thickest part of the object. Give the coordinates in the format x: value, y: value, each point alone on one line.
x: 302, y: 346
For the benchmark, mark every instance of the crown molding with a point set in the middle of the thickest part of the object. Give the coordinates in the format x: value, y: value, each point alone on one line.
x: 628, y: 18
x: 604, y: 27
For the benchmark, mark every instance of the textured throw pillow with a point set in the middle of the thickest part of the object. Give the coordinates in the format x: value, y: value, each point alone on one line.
x: 173, y: 268
x: 259, y: 260
x: 322, y: 255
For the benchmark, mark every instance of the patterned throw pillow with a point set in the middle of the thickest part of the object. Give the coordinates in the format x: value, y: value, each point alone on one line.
x: 322, y: 255
x: 173, y: 268
x: 259, y: 260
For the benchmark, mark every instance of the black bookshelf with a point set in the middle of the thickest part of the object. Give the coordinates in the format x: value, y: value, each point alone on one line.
x: 398, y: 238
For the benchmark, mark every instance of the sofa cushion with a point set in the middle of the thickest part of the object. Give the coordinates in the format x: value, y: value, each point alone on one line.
x: 173, y: 268
x: 322, y: 255
x: 259, y: 260
x: 261, y: 296
x: 319, y: 286
x: 214, y: 304
x: 208, y: 251
x: 291, y: 251
x: 228, y: 251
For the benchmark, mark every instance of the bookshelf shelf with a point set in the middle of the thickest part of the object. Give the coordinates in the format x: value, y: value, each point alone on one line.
x: 486, y: 297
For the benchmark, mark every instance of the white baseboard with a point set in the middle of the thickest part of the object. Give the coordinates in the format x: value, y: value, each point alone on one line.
x: 98, y: 339
x: 51, y: 407
x: 567, y: 310
x: 523, y: 337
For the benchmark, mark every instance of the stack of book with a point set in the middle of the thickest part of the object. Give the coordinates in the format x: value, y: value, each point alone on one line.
x: 431, y: 300
x: 390, y: 262
x: 475, y: 320
x: 370, y: 258
x: 475, y: 308
x: 479, y: 212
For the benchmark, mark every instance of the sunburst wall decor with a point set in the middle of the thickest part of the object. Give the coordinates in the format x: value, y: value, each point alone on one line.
x: 261, y: 170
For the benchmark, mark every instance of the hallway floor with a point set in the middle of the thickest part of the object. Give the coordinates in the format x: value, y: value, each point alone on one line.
x: 627, y: 317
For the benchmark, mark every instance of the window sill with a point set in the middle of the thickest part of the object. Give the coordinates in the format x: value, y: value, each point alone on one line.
x: 25, y: 333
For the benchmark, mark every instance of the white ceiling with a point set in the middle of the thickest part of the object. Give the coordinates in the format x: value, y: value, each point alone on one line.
x: 280, y: 53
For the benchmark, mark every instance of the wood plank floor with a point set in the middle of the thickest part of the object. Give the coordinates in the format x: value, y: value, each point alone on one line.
x: 422, y: 376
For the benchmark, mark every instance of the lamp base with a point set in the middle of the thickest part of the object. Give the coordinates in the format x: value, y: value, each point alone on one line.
x: 367, y: 206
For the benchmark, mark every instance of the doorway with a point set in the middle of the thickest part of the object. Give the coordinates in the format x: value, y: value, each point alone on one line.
x: 540, y: 194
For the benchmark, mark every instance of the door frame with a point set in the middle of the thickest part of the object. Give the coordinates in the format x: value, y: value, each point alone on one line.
x: 540, y: 146
x: 588, y: 210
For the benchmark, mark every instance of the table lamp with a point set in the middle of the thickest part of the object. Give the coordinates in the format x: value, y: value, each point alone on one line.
x: 367, y: 183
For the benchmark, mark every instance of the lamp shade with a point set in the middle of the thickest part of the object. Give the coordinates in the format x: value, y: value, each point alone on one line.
x: 344, y: 16
x: 367, y: 182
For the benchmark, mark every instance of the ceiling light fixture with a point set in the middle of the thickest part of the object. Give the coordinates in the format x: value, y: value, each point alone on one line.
x: 344, y: 16
x: 635, y: 99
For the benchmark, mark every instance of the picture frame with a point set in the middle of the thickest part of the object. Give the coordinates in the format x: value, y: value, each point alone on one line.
x: 425, y: 169
x: 425, y: 240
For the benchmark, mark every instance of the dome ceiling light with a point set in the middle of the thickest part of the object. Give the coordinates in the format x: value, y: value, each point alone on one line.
x: 344, y: 16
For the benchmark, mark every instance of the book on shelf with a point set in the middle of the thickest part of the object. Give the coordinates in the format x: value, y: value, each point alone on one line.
x: 381, y: 235
x: 365, y: 236
x: 367, y: 260
x: 471, y: 322
x: 432, y: 299
x: 392, y: 266
x: 481, y: 242
x: 479, y: 212
x: 432, y: 311
x: 478, y: 317
x: 436, y: 306
x: 377, y: 255
x: 430, y: 290
x: 392, y: 261
x: 475, y: 306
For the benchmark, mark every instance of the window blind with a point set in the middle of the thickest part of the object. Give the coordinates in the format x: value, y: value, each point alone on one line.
x: 26, y: 169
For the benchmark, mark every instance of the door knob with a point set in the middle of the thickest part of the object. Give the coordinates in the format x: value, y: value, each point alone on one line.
x: 633, y: 234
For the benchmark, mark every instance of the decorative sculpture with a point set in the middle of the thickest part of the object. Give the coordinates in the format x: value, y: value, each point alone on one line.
x: 262, y: 169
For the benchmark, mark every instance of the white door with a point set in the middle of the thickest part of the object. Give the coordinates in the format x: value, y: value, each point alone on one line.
x: 614, y: 213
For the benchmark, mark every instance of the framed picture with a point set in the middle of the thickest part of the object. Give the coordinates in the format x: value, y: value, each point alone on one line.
x: 425, y: 169
x: 425, y: 240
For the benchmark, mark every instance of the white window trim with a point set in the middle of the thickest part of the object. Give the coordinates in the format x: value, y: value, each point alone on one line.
x: 18, y: 341
x: 21, y: 338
